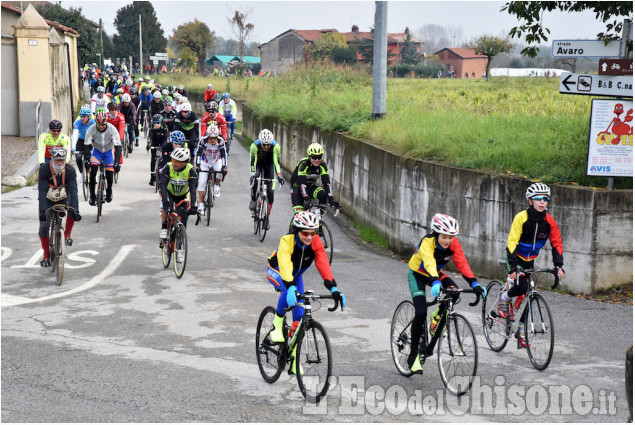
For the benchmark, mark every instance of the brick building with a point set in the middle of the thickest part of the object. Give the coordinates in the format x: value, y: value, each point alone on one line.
x: 462, y: 60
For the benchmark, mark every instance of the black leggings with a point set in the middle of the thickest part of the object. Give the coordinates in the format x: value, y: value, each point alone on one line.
x: 523, y: 283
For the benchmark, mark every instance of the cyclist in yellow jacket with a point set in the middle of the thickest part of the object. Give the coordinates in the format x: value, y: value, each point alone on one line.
x: 53, y: 138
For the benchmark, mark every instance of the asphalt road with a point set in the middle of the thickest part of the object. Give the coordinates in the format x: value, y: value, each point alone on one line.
x: 123, y: 340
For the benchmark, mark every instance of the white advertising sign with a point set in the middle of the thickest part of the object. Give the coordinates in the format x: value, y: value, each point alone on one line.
x: 611, y: 138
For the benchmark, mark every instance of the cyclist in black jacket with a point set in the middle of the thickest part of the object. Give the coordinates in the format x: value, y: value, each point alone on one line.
x: 304, y: 179
x: 158, y: 136
x: 129, y: 111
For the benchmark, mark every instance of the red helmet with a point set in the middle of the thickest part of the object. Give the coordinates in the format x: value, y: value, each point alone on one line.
x: 101, y: 118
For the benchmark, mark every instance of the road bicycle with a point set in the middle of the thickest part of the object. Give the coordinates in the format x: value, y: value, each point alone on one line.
x: 261, y: 215
x: 158, y: 152
x: 57, y: 240
x: 126, y: 145
x: 175, y: 246
x: 86, y: 175
x: 143, y: 122
x: 208, y: 200
x: 530, y: 309
x: 230, y: 136
x: 313, y: 360
x: 457, y: 351
x: 101, y: 188
x: 323, y: 231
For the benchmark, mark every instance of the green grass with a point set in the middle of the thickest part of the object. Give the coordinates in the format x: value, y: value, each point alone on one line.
x: 519, y: 126
x: 371, y: 235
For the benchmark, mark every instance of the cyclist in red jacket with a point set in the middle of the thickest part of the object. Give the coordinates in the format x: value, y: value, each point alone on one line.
x: 119, y: 122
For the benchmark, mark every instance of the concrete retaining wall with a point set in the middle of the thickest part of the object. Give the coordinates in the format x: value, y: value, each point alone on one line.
x: 399, y: 196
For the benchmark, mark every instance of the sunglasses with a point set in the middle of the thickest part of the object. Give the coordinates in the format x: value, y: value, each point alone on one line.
x: 306, y: 233
x: 55, y: 131
x: 58, y: 152
x: 540, y: 198
x: 316, y: 157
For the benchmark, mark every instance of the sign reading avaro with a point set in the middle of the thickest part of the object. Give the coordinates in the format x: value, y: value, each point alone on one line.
x: 585, y: 48
x: 596, y: 85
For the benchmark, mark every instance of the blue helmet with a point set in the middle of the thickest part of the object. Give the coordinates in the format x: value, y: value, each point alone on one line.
x: 178, y: 138
x: 225, y: 95
x: 85, y: 112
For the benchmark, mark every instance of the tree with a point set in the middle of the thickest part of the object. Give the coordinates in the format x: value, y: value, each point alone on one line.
x: 88, y: 36
x: 126, y: 42
x: 197, y: 37
x: 409, y: 54
x: 531, y: 12
x: 187, y: 59
x: 241, y: 30
x: 490, y: 46
x: 322, y: 48
x: 434, y: 37
x: 344, y: 55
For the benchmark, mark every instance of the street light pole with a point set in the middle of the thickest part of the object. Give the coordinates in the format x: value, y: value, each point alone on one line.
x: 380, y: 57
x: 140, y: 49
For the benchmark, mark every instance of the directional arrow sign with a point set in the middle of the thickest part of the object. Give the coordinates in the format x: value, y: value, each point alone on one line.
x: 585, y: 48
x: 615, y: 67
x: 596, y: 85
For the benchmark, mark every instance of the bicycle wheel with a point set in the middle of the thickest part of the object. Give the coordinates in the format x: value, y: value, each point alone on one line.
x: 400, y: 329
x: 270, y: 355
x: 313, y: 362
x: 209, y: 201
x: 494, y: 327
x: 257, y: 216
x: 457, y: 355
x: 539, y: 333
x: 125, y: 143
x: 180, y: 250
x: 60, y: 254
x: 264, y: 219
x: 85, y: 189
x: 327, y: 239
x: 52, y: 249
x: 100, y: 196
x: 166, y: 253
x: 156, y: 176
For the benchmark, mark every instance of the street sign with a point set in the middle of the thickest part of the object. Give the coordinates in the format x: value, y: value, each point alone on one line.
x: 585, y: 48
x: 165, y: 55
x: 159, y: 58
x: 610, y: 138
x: 596, y: 85
x: 615, y: 67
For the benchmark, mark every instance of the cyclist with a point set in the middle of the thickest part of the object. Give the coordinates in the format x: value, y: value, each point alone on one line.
x: 227, y: 108
x: 209, y: 94
x: 182, y: 91
x: 81, y: 151
x: 57, y: 184
x: 176, y: 140
x: 156, y: 106
x: 264, y: 158
x: 213, y: 115
x: 157, y: 137
x: 99, y: 100
x: 210, y: 156
x: 165, y: 97
x: 435, y: 250
x: 177, y: 179
x: 119, y: 122
x: 118, y: 98
x: 187, y: 122
x: 528, y: 235
x: 304, y: 178
x: 145, y: 98
x: 129, y: 111
x: 102, y: 136
x: 51, y: 139
x: 169, y: 116
x: 295, y: 253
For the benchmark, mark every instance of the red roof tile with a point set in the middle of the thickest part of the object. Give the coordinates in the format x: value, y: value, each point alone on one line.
x: 463, y: 52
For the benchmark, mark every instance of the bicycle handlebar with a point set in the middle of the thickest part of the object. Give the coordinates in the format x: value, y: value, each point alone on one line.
x: 454, y: 290
x: 325, y: 206
x: 553, y: 271
x: 311, y: 296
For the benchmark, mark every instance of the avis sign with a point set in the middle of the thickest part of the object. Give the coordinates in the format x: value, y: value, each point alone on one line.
x: 611, y: 138
x: 585, y: 48
x: 596, y: 85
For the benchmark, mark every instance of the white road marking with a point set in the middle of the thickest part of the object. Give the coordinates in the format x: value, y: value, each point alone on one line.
x: 10, y: 300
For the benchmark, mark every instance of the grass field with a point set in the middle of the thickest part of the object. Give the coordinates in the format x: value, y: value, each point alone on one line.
x: 520, y: 126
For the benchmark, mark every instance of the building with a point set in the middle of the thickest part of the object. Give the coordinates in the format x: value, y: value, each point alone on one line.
x: 289, y: 48
x: 40, y: 73
x: 462, y: 60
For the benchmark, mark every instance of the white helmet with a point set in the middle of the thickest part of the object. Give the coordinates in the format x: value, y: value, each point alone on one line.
x: 186, y: 107
x: 444, y: 224
x: 177, y: 96
x: 537, y: 189
x: 305, y: 220
x: 125, y: 98
x: 265, y: 137
x: 165, y: 92
x: 184, y: 99
x: 210, y: 86
x: 181, y: 154
x: 156, y: 94
x: 213, y: 131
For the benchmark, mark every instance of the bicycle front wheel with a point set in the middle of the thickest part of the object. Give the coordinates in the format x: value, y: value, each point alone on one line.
x: 494, y: 327
x: 257, y: 217
x: 457, y: 355
x: 180, y: 250
x: 270, y: 355
x: 125, y: 143
x: 60, y: 255
x: 539, y: 335
x: 327, y: 239
x: 209, y: 201
x: 100, y: 196
x: 85, y: 189
x: 166, y: 253
x: 400, y: 331
x: 313, y: 362
x: 264, y: 219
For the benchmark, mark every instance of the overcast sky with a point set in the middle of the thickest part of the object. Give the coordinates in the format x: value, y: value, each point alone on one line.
x: 273, y: 18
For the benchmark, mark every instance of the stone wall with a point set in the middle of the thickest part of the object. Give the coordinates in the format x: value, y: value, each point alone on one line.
x: 398, y: 197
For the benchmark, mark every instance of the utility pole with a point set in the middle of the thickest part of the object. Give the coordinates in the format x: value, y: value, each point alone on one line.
x: 140, y: 49
x: 101, y: 42
x: 380, y: 57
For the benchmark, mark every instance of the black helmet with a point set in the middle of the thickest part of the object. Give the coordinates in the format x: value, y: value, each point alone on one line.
x: 157, y: 119
x: 55, y: 125
x: 112, y: 105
